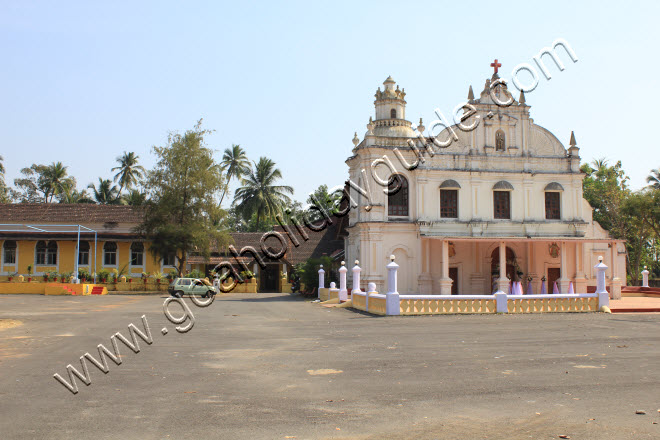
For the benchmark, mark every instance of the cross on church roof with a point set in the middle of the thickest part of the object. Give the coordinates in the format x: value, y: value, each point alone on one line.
x: 495, y: 65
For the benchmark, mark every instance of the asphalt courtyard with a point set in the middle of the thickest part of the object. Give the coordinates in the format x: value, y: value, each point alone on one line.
x: 278, y: 367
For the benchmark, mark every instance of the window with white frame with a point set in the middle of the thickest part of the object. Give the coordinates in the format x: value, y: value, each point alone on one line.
x: 46, y: 253
x: 110, y: 253
x: 137, y: 254
x: 9, y: 252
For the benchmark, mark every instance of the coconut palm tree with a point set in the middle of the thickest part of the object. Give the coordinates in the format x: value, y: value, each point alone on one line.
x: 105, y: 193
x: 599, y: 163
x: 55, y: 181
x: 259, y: 195
x: 235, y: 164
x: 134, y: 198
x: 654, y: 179
x: 129, y: 172
x: 75, y: 196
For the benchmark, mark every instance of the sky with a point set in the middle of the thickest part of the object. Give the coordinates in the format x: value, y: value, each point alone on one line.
x: 82, y: 82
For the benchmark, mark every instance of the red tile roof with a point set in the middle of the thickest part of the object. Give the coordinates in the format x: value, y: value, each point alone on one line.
x: 79, y: 213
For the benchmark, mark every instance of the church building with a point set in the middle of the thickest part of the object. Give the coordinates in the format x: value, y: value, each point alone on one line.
x: 502, y: 202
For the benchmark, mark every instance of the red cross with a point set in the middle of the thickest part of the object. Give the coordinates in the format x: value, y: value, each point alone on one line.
x: 495, y: 65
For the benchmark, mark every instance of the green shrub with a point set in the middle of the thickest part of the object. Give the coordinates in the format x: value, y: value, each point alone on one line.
x: 309, y: 272
x: 103, y: 275
x: 83, y: 274
x: 196, y: 274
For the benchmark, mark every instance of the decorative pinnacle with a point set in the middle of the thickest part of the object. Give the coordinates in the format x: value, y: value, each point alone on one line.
x: 392, y: 257
x: 470, y: 94
x: 421, y: 127
x: 572, y: 143
x: 521, y: 100
x: 600, y: 259
x: 356, y: 140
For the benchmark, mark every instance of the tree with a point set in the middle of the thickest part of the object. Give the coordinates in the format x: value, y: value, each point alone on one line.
x: 322, y: 199
x: 129, y: 172
x: 260, y: 195
x: 605, y: 188
x: 654, y: 179
x: 105, y: 193
x: 624, y: 214
x: 4, y: 191
x: 55, y: 181
x: 309, y: 271
x: 42, y: 183
x: 235, y: 164
x: 27, y: 187
x: 134, y: 198
x: 183, y: 210
x: 638, y: 232
x: 75, y: 196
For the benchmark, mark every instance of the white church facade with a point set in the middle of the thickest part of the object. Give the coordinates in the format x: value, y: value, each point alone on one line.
x: 504, y: 189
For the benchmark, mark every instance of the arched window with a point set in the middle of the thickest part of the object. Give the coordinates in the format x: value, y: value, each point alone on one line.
x: 502, y: 200
x: 46, y: 253
x: 83, y: 253
x: 110, y: 253
x: 137, y: 254
x: 397, y: 198
x: 9, y: 252
x: 553, y: 201
x: 500, y: 141
x: 449, y: 199
x: 393, y: 113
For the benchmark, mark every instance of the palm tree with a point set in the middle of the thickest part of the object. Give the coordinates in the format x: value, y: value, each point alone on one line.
x: 654, y: 179
x: 236, y: 164
x: 134, y: 198
x: 599, y: 163
x: 54, y: 181
x: 259, y: 194
x: 75, y: 196
x: 129, y: 172
x: 105, y: 193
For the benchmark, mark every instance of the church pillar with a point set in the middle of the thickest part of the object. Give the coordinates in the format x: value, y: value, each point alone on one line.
x: 477, y: 277
x: 580, y: 279
x: 536, y: 286
x: 445, y: 282
x: 615, y: 284
x: 503, y: 281
x: 563, y: 280
x: 425, y: 281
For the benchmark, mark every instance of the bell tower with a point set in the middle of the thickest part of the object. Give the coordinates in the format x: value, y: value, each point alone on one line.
x: 390, y: 103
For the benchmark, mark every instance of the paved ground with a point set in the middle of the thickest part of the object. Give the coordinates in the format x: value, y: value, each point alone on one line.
x: 276, y: 367
x: 636, y: 303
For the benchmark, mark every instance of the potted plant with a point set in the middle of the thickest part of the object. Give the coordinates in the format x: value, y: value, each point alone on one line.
x: 158, y: 276
x: 83, y: 275
x: 29, y: 272
x: 11, y: 276
x: 45, y: 277
x: 103, y: 275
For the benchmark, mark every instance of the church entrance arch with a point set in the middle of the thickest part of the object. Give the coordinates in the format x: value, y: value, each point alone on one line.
x: 510, y: 264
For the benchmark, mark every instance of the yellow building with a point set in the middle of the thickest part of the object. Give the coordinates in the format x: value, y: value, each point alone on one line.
x: 41, y: 238
x: 36, y: 239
